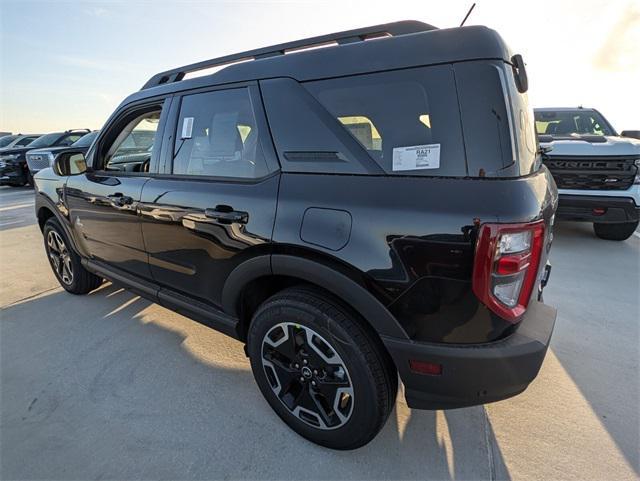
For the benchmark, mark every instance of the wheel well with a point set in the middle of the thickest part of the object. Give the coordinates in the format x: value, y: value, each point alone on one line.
x: 44, y: 214
x: 259, y: 290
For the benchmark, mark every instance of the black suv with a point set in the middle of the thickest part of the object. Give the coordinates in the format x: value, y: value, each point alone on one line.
x: 373, y: 207
x: 13, y: 164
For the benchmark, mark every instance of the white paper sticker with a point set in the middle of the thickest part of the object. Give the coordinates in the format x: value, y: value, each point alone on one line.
x: 416, y: 157
x: 187, y: 128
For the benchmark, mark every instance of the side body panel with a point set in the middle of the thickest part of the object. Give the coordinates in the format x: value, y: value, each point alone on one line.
x: 413, y: 241
x: 193, y: 253
x: 104, y: 227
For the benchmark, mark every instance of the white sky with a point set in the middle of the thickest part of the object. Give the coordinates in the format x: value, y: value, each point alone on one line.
x: 69, y: 64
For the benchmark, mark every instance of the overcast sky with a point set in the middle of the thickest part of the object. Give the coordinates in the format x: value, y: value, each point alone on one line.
x: 69, y: 64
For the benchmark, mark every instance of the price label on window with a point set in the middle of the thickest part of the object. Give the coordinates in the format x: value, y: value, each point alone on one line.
x: 416, y: 157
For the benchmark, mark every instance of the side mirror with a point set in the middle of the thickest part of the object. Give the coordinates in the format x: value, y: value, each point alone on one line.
x: 520, y: 73
x: 70, y: 163
x: 633, y: 134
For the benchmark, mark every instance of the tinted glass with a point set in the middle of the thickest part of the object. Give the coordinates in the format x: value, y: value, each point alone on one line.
x: 69, y: 139
x: 529, y: 159
x: 4, y: 141
x: 45, y: 141
x: 407, y: 121
x: 217, y: 135
x: 568, y: 122
x: 26, y: 141
x: 86, y: 140
x: 132, y: 149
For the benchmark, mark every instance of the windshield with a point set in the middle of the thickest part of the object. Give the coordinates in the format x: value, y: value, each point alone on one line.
x: 567, y: 122
x: 4, y: 141
x: 44, y: 141
x: 86, y: 140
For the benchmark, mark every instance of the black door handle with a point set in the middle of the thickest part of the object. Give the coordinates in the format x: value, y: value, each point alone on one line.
x: 119, y: 199
x: 226, y: 215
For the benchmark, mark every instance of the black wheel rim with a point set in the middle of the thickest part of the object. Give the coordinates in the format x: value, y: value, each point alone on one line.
x: 59, y: 257
x: 307, y: 375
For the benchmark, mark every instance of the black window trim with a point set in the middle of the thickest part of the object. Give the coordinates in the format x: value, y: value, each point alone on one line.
x: 266, y: 142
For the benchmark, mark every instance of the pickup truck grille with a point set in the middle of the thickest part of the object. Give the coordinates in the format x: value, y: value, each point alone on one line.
x: 37, y: 162
x: 592, y: 173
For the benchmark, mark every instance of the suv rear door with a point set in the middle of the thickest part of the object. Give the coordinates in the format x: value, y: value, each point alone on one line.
x: 214, y: 204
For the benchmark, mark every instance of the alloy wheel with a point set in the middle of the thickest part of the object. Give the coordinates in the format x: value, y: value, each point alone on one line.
x: 60, y: 257
x: 307, y: 375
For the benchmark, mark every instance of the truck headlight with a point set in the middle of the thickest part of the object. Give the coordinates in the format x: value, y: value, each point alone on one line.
x: 636, y: 181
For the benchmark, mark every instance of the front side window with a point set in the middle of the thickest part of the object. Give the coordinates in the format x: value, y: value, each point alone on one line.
x: 218, y: 136
x: 86, y: 140
x: 407, y: 121
x: 131, y: 150
x: 69, y: 139
x: 560, y: 123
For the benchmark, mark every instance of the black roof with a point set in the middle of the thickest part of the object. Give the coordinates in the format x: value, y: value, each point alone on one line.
x: 407, y: 44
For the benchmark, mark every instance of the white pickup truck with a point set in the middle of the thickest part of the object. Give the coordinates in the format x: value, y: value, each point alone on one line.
x: 596, y: 170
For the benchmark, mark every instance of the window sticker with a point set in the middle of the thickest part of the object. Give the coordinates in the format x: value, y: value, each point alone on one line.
x: 187, y: 128
x: 416, y: 157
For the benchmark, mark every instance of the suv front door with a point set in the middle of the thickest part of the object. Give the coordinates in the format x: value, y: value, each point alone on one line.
x: 103, y: 202
x: 215, y: 205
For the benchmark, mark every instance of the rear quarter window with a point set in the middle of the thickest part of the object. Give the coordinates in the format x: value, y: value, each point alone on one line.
x: 401, y: 114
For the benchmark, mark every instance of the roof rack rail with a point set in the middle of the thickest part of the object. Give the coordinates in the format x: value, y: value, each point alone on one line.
x: 77, y: 130
x: 348, y: 36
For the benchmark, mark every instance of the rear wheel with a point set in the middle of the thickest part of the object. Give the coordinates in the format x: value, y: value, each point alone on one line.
x: 65, y: 263
x: 321, y: 371
x: 617, y: 232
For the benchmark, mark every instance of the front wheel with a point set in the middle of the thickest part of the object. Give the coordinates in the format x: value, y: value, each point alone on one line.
x: 320, y: 369
x: 617, y: 232
x: 65, y: 263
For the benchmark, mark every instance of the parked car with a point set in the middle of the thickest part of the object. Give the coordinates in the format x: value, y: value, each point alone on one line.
x: 13, y: 164
x: 595, y: 169
x: 19, y: 140
x: 349, y: 213
x: 39, y: 159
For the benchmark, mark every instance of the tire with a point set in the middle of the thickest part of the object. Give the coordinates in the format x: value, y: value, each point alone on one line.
x: 65, y: 263
x: 616, y: 232
x: 301, y: 338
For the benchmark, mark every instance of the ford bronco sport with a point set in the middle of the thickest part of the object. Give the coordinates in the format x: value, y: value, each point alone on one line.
x: 371, y: 208
x: 595, y: 169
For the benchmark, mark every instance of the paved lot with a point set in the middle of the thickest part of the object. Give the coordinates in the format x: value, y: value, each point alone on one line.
x: 111, y: 386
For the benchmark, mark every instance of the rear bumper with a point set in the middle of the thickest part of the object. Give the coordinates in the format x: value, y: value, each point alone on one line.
x: 476, y: 373
x: 581, y: 208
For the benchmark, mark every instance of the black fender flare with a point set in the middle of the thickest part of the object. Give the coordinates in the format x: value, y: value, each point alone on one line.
x: 342, y: 286
x: 44, y: 201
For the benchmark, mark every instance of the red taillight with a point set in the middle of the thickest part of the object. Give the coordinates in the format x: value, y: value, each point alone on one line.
x: 423, y: 367
x: 506, y: 266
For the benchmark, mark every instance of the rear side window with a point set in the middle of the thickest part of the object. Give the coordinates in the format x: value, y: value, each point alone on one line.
x: 26, y: 141
x: 407, y: 121
x: 218, y: 136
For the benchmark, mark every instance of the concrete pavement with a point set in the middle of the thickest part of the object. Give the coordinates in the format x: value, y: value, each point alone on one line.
x: 110, y: 386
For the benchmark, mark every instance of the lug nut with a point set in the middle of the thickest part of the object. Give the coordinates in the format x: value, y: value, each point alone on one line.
x: 301, y: 378
x: 313, y: 383
x: 315, y: 372
x: 304, y: 361
x: 296, y: 365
